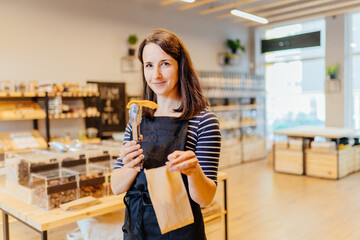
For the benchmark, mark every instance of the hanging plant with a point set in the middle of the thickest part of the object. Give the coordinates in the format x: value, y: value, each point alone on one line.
x: 234, y: 45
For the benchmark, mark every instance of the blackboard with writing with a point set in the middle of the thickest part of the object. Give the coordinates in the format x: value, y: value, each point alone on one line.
x: 112, y: 108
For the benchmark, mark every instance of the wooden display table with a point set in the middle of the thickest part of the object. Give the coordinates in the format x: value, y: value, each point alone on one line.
x: 333, y: 164
x: 42, y: 220
x: 312, y: 131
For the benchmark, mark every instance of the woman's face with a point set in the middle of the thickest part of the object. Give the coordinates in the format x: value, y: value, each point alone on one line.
x: 161, y: 71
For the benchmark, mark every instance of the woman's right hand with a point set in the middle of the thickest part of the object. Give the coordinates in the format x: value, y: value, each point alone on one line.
x: 131, y: 154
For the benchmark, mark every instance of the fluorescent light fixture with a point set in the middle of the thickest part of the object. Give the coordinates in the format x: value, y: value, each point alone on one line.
x: 189, y: 1
x: 249, y: 16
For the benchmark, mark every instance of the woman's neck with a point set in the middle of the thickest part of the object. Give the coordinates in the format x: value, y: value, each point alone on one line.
x: 166, y: 106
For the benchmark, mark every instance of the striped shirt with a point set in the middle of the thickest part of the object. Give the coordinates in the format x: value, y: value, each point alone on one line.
x: 203, y: 137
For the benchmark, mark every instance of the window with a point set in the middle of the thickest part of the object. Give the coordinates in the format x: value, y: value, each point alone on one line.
x: 354, y: 66
x: 295, y: 79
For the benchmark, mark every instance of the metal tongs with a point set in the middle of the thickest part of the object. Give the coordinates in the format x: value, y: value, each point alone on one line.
x: 135, y: 115
x: 135, y: 112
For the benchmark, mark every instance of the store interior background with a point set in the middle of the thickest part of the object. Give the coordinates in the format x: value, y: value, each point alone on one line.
x: 85, y: 40
x: 58, y: 41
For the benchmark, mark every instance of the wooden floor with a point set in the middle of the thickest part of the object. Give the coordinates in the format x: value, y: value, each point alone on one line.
x: 268, y: 205
x: 264, y: 205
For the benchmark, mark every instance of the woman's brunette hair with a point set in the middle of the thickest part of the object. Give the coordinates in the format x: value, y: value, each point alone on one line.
x: 192, y: 99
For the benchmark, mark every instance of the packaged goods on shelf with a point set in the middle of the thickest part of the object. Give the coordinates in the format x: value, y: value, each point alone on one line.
x: 6, y: 86
x: 20, y: 110
x: 20, y: 140
x: 229, y: 85
x: 53, y: 187
x: 92, y: 180
x: 55, y: 105
x: 238, y: 100
x: 45, y: 86
x: 20, y: 165
x: 32, y: 86
x: 20, y: 87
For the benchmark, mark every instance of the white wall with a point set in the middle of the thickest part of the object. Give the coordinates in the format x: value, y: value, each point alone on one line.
x: 80, y: 40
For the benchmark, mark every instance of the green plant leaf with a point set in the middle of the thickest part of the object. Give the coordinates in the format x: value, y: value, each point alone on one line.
x: 132, y: 40
x: 234, y: 45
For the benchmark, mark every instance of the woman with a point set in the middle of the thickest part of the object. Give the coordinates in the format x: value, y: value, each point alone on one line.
x: 181, y: 133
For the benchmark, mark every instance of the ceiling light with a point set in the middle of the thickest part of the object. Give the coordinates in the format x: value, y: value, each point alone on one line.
x: 189, y: 1
x: 249, y: 16
x: 353, y: 45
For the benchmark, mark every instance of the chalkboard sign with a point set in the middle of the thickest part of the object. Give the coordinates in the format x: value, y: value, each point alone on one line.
x: 112, y: 108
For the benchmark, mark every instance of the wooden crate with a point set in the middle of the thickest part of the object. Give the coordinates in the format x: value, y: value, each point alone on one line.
x: 356, y: 158
x: 325, y: 165
x: 295, y: 144
x: 289, y: 161
x: 230, y: 154
x: 254, y: 149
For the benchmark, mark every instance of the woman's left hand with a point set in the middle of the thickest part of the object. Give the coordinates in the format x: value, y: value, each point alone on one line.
x: 184, y: 161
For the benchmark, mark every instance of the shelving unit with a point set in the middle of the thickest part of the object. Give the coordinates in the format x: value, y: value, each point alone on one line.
x: 238, y: 99
x: 44, y: 99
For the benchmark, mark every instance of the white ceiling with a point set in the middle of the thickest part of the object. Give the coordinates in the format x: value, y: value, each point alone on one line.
x: 274, y: 10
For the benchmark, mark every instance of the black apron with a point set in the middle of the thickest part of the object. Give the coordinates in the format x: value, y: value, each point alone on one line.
x: 161, y: 136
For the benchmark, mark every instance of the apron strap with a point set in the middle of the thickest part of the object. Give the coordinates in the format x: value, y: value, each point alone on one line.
x: 135, y: 201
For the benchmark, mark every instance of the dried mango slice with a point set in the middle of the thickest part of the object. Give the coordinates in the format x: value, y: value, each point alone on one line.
x: 143, y: 103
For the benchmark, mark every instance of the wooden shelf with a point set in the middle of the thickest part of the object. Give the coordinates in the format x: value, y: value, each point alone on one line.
x: 74, y: 94
x: 22, y: 119
x: 225, y: 125
x: 236, y: 107
x: 72, y: 116
x: 42, y: 94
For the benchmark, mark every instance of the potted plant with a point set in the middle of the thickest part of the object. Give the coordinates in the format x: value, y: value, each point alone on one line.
x: 132, y: 40
x: 332, y: 71
x: 227, y: 58
x: 234, y: 45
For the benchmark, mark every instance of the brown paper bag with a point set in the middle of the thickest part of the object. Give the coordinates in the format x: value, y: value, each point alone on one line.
x: 169, y: 198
